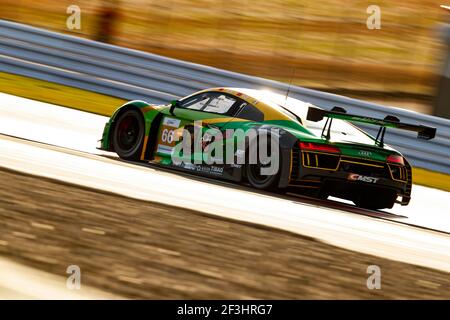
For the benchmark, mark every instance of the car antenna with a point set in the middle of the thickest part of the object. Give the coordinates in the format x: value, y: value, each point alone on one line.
x: 289, y: 87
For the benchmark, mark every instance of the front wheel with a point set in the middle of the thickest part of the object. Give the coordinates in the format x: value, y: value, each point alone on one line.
x: 128, y: 135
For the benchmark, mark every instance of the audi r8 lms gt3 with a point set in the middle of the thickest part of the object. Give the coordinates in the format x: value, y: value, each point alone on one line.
x: 221, y: 132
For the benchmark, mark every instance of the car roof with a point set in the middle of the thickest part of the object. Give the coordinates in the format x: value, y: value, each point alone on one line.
x: 274, y: 106
x: 268, y: 102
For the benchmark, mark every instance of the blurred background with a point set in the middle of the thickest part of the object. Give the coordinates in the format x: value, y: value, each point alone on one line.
x: 148, y: 249
x: 322, y: 45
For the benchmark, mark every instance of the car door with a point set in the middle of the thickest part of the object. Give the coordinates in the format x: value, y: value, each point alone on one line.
x: 206, y: 110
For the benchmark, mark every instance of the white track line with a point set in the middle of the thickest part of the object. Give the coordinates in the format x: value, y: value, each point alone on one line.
x: 21, y: 282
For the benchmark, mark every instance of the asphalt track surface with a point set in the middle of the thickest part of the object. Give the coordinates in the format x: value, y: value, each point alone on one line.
x: 60, y: 143
x: 148, y: 250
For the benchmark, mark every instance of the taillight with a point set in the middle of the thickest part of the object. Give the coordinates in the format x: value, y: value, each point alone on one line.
x: 393, y: 158
x: 319, y: 147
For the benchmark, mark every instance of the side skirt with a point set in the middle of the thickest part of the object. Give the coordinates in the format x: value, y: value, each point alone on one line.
x: 225, y: 172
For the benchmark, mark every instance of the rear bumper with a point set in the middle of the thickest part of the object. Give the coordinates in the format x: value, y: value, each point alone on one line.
x: 347, y: 178
x: 322, y: 176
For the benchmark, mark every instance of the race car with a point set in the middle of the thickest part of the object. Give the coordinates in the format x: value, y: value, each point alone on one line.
x: 226, y: 133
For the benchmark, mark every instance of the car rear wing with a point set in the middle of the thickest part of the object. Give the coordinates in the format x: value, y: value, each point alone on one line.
x: 316, y: 114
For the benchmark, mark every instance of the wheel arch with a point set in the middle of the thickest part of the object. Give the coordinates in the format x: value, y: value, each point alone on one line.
x: 408, y: 189
x: 137, y: 105
x: 286, y: 143
x: 147, y: 116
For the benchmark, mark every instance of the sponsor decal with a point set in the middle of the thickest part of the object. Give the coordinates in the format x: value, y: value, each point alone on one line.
x: 206, y: 140
x: 168, y: 135
x: 164, y: 149
x: 357, y: 177
x: 171, y: 122
x: 201, y: 168
x: 209, y: 147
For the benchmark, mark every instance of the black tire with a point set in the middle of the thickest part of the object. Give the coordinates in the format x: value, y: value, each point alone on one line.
x: 259, y: 181
x: 128, y: 135
x: 381, y: 200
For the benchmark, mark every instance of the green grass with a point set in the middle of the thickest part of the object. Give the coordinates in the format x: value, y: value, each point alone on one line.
x: 58, y: 94
x: 431, y: 179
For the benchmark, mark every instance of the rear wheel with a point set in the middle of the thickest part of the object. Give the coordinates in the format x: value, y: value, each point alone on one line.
x: 255, y: 172
x: 128, y: 135
x: 259, y: 180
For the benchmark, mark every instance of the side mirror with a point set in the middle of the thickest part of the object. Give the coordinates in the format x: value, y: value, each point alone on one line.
x: 173, y: 105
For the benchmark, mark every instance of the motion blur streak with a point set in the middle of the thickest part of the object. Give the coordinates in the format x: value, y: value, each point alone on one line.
x: 77, y: 132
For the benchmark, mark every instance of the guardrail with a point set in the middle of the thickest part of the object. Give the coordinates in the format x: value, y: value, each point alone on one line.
x: 132, y: 74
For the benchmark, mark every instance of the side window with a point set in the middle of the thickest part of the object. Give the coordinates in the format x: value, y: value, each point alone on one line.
x: 196, y: 102
x: 221, y: 104
x: 250, y: 112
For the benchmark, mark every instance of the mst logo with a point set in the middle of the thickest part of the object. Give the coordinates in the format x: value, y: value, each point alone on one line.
x: 357, y: 177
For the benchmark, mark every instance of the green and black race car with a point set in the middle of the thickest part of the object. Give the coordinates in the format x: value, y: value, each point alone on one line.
x: 317, y: 152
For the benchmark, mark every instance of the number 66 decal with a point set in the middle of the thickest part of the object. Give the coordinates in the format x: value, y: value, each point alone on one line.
x: 167, y: 136
x: 169, y: 131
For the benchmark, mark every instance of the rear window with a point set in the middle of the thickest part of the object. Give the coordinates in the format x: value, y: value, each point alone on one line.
x: 340, y: 130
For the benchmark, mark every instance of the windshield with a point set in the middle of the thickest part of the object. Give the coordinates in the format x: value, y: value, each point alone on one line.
x: 340, y: 130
